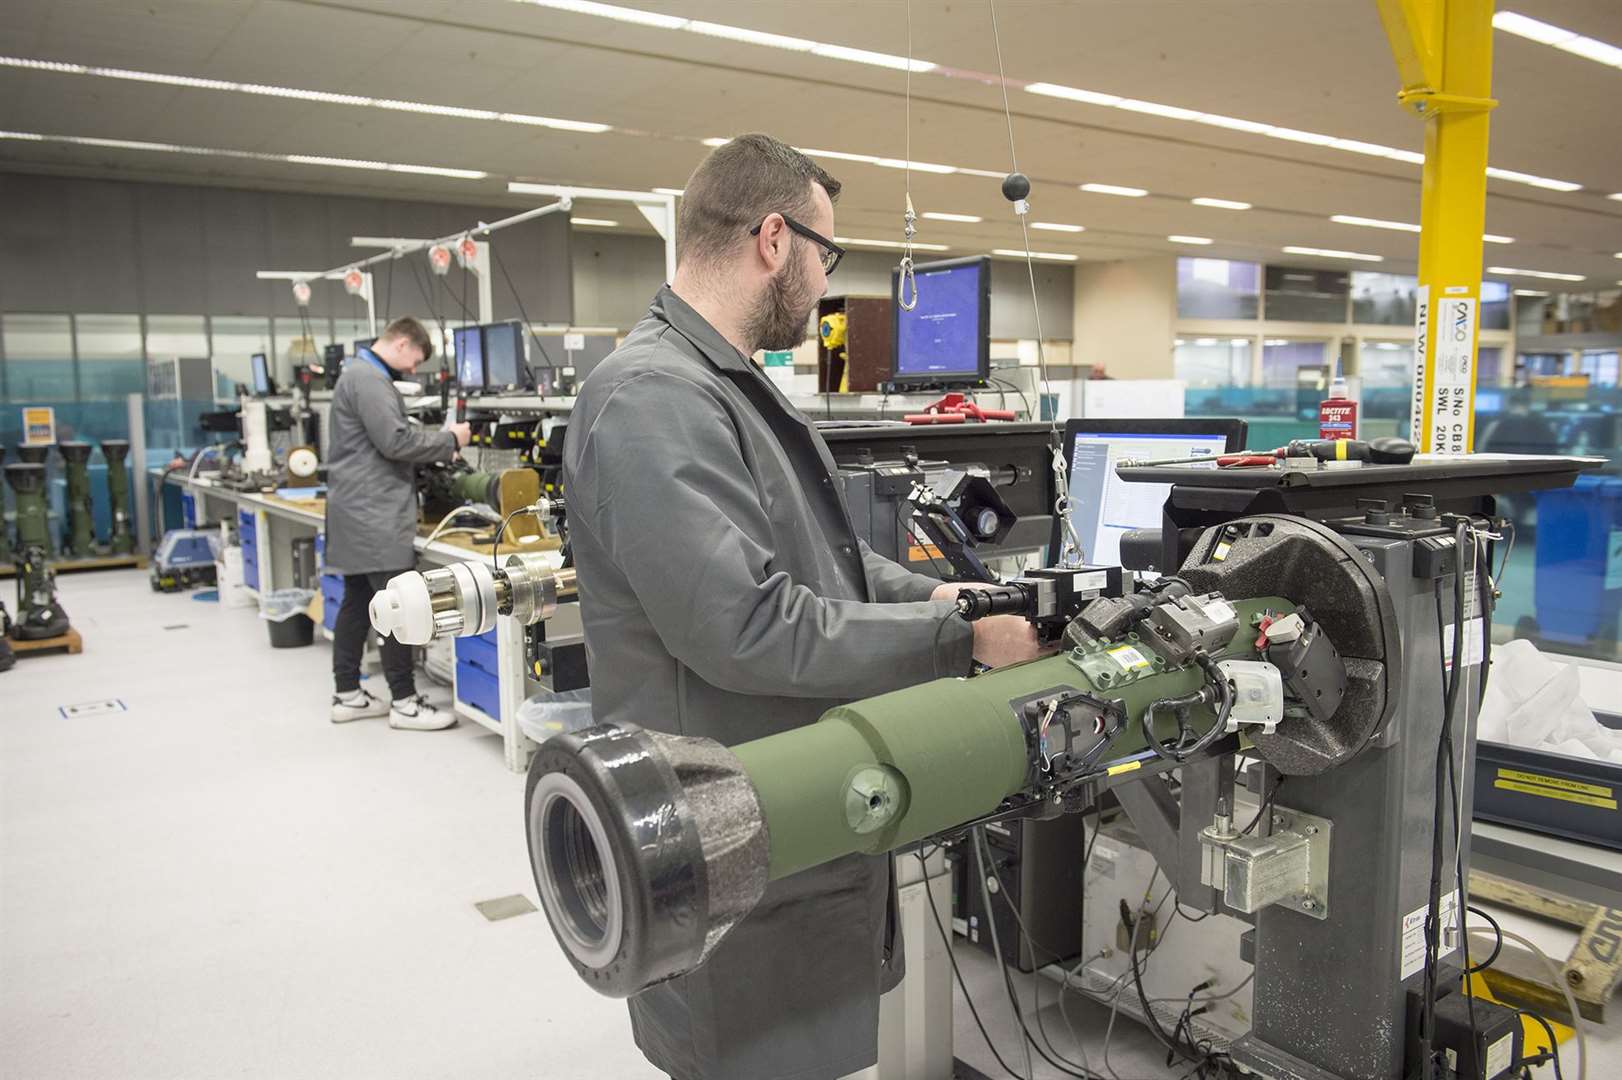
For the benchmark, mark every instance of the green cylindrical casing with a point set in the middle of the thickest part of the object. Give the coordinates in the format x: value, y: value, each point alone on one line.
x: 937, y: 755
x: 120, y: 540
x: 79, y: 534
x: 27, y: 482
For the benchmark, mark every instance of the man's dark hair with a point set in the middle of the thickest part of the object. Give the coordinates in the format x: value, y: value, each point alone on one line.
x: 734, y: 188
x: 413, y: 331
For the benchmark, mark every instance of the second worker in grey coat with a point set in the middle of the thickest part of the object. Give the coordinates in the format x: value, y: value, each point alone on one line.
x: 725, y: 594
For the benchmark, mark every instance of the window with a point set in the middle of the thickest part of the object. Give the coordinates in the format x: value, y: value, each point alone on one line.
x: 39, y: 358
x: 1288, y: 364
x: 1209, y: 363
x: 1307, y: 295
x: 1494, y: 305
x: 1217, y: 289
x: 110, y: 369
x: 1600, y: 365
x: 176, y: 335
x: 235, y: 338
x: 1386, y: 364
x: 1383, y: 299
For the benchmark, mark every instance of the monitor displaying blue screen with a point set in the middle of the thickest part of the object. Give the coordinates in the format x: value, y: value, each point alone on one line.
x: 261, y: 374
x: 503, y: 355
x: 468, y: 341
x: 945, y: 337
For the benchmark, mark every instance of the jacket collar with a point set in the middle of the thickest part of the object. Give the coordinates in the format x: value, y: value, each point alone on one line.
x: 696, y: 329
x: 364, y: 353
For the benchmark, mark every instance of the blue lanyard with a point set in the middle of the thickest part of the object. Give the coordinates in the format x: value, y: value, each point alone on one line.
x: 368, y: 354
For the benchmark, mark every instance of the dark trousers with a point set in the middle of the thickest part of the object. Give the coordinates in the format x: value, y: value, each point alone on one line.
x: 349, y: 639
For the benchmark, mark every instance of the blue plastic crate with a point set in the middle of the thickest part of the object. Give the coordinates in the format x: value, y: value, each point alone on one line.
x: 1578, y: 576
x: 479, y: 688
x: 480, y: 651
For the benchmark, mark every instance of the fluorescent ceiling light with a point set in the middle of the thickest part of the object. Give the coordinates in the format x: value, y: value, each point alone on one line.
x: 1277, y: 341
x: 1493, y: 239
x: 852, y: 241
x: 676, y: 191
x: 1330, y: 253
x: 1549, y: 274
x: 1387, y: 346
x: 877, y: 59
x: 1534, y: 181
x: 297, y: 94
x: 1373, y: 223
x: 715, y: 140
x: 1189, y: 239
x: 613, y: 11
x: 750, y: 37
x: 1071, y: 93
x: 1568, y: 40
x: 1617, y: 196
x: 1171, y: 112
x: 1530, y: 292
x: 1058, y: 226
x: 1311, y: 138
x: 1239, y: 341
x: 1233, y: 123
x: 248, y: 155
x: 1180, y: 343
x: 1114, y: 189
x: 1205, y: 341
x: 596, y: 222
x: 968, y: 219
x: 1220, y: 204
x: 1015, y: 253
x: 870, y: 159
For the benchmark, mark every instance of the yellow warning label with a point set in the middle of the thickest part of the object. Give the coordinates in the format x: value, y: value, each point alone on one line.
x: 1220, y: 552
x: 1125, y: 766
x: 923, y: 553
x: 1556, y: 782
x: 1555, y: 793
x: 1129, y: 658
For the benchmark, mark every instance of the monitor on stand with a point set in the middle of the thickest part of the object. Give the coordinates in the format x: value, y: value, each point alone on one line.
x: 260, y: 368
x: 1102, y: 505
x: 944, y: 342
x: 468, y: 341
x: 506, y: 365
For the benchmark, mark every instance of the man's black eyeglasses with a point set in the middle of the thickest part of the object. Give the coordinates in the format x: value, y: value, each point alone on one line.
x: 831, y: 252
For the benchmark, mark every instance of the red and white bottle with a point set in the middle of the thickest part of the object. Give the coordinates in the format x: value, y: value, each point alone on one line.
x: 1337, y: 414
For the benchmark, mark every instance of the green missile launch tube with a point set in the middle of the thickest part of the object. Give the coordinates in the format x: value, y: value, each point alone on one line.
x: 120, y: 539
x: 889, y: 771
x: 79, y: 534
x: 27, y: 480
x: 648, y: 847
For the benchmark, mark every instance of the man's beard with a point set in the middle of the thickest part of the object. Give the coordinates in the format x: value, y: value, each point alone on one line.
x: 781, y: 317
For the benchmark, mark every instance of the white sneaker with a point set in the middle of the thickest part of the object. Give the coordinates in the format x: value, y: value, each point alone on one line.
x: 416, y: 714
x: 357, y: 705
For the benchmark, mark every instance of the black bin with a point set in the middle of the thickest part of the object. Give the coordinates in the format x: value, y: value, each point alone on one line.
x: 292, y: 632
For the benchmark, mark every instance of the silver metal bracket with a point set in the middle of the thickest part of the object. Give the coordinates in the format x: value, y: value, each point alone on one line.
x: 1289, y: 868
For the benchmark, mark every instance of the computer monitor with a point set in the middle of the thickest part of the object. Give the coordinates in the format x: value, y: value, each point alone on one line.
x: 945, y: 340
x: 1102, y: 505
x: 261, y: 374
x: 468, y: 342
x: 362, y: 343
x: 505, y: 365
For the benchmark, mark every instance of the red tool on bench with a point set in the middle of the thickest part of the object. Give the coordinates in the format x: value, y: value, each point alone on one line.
x: 956, y: 409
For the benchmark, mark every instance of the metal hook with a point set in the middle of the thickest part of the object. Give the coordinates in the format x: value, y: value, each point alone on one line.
x: 907, y: 280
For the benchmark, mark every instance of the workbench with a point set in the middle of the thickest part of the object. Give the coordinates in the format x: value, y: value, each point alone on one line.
x: 275, y: 521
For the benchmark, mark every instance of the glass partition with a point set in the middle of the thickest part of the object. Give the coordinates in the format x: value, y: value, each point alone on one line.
x: 1217, y: 289
x: 1307, y: 295
x: 1209, y: 361
x: 1383, y: 299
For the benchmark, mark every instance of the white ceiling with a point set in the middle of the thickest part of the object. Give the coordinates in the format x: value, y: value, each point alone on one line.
x: 1319, y: 65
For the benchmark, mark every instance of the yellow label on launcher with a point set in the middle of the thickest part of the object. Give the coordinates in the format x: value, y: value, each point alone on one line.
x: 1128, y: 657
x: 1555, y: 793
x: 1556, y: 782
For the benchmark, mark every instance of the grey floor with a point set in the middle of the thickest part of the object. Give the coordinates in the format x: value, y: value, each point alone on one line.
x: 218, y: 882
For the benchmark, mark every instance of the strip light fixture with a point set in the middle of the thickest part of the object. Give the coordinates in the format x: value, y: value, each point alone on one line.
x: 247, y: 155
x: 661, y: 21
x: 967, y: 219
x: 1330, y: 253
x: 1115, y: 189
x: 1220, y: 204
x: 600, y: 223
x: 296, y: 94
x: 1199, y: 240
x: 852, y: 241
x: 1019, y: 253
x: 1566, y: 40
x: 1548, y: 275
x: 1057, y: 226
x: 1403, y: 226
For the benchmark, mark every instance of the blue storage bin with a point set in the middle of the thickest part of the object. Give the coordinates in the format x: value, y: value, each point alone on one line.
x: 479, y: 651
x: 1578, y: 577
x: 479, y: 688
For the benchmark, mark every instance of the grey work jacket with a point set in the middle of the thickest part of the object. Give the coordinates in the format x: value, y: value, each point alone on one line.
x: 725, y: 594
x: 372, y: 452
